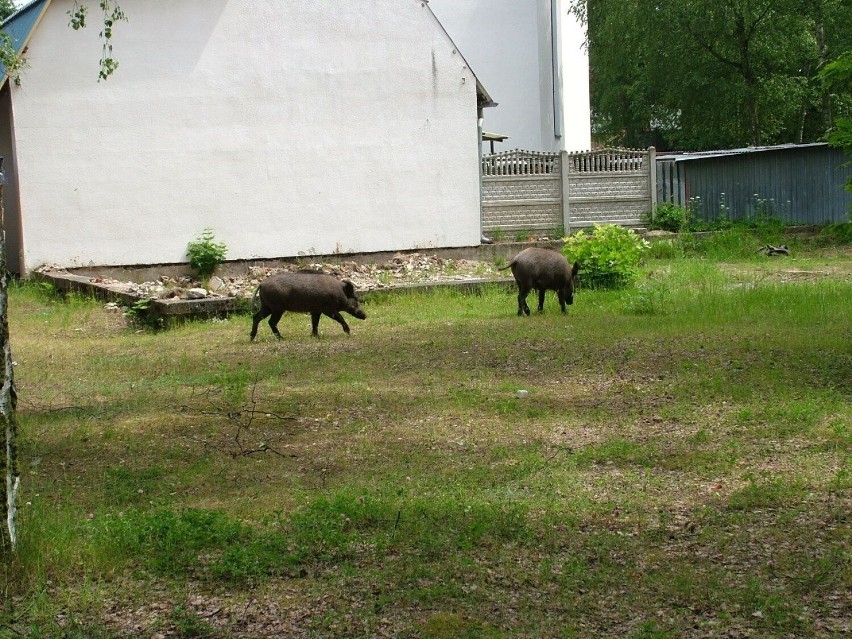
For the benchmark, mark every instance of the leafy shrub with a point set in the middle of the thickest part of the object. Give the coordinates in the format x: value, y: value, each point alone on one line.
x: 609, y: 255
x: 669, y: 217
x: 205, y: 254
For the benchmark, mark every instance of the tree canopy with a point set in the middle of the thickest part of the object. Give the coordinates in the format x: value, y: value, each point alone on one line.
x: 837, y: 75
x: 701, y: 74
x: 7, y: 8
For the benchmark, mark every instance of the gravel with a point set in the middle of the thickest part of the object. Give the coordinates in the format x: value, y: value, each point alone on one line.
x: 402, y: 269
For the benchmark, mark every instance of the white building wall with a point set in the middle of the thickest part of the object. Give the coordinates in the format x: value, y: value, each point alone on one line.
x: 286, y: 127
x: 508, y: 45
x: 575, y: 85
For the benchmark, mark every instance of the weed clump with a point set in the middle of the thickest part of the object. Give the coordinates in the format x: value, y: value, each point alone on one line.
x: 836, y: 234
x: 205, y: 254
x: 668, y: 217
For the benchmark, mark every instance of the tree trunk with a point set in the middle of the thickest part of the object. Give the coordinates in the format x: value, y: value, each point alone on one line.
x: 744, y: 42
x: 822, y: 52
x: 8, y: 424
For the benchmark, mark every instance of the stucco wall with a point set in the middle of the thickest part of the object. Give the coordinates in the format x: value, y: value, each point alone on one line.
x: 288, y: 128
x: 500, y: 40
x: 575, y: 85
x: 508, y: 44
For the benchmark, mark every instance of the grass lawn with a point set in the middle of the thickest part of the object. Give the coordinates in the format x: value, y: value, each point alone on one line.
x: 679, y: 465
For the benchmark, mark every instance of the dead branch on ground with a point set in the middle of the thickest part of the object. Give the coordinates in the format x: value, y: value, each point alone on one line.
x: 243, y: 419
x: 774, y: 250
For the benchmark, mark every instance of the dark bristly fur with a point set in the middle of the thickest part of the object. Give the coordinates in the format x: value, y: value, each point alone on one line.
x: 305, y: 292
x: 544, y: 270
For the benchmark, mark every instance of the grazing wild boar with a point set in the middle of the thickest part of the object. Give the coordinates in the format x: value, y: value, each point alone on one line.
x: 305, y: 292
x: 544, y: 270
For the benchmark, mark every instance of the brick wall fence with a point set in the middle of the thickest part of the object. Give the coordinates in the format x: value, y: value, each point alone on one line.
x: 545, y: 192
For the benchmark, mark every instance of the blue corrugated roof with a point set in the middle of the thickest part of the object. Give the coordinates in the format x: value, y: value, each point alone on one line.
x: 20, y: 24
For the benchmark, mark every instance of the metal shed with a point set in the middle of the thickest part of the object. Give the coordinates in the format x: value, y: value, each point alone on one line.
x: 799, y: 183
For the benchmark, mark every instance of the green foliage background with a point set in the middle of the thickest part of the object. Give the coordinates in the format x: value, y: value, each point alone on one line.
x: 696, y: 74
x: 7, y: 8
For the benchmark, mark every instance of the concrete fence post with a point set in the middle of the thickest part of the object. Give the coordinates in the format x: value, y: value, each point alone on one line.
x: 652, y: 173
x: 566, y: 191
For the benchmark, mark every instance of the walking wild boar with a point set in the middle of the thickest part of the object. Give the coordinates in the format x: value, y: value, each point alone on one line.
x: 305, y: 292
x: 544, y: 270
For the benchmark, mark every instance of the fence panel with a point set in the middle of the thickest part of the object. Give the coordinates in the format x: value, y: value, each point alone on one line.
x: 526, y: 191
x: 521, y: 191
x: 611, y: 186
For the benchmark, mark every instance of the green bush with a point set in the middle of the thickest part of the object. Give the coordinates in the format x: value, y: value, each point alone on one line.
x: 205, y: 254
x: 609, y: 255
x: 669, y: 217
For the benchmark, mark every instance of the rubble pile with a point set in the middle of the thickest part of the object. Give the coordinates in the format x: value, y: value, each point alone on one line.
x: 402, y: 269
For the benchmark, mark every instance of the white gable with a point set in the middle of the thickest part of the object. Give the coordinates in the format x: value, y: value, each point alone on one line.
x: 288, y: 128
x: 535, y: 69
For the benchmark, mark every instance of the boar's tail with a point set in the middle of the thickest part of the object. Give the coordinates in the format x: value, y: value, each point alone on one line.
x: 509, y: 265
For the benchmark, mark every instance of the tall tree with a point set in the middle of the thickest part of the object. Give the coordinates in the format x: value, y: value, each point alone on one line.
x: 9, y: 475
x: 9, y: 481
x: 696, y: 74
x: 837, y: 75
x: 8, y: 423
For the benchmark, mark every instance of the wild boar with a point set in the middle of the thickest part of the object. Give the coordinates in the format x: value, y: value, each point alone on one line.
x: 544, y: 270
x: 305, y: 292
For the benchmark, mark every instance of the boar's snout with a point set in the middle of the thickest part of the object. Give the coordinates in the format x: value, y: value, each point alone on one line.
x: 353, y: 305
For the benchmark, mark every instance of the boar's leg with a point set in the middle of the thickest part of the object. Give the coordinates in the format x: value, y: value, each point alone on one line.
x: 522, y: 301
x: 257, y: 318
x: 337, y: 317
x: 273, y: 322
x: 561, y: 293
x: 541, y: 293
x: 315, y: 317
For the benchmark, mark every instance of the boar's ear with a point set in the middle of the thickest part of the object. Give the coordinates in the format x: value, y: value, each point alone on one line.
x: 348, y: 288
